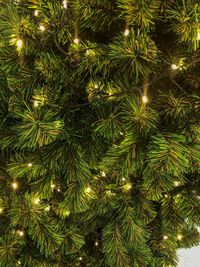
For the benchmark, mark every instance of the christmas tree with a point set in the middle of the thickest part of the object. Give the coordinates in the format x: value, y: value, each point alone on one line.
x: 100, y: 132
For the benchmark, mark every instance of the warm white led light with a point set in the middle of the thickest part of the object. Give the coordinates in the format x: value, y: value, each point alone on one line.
x: 76, y: 40
x: 14, y: 185
x: 165, y: 237
x: 65, y: 4
x: 36, y: 13
x: 179, y: 237
x: 174, y: 67
x: 144, y: 99
x: 30, y: 164
x: 42, y: 28
x: 19, y: 43
x: 88, y: 190
x: 126, y: 32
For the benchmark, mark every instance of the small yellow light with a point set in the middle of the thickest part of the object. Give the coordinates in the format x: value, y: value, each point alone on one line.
x: 121, y: 133
x: 21, y: 233
x: 80, y: 258
x: 30, y: 164
x: 126, y: 32
x: 58, y: 189
x: 123, y: 179
x: 127, y: 187
x: 179, y: 237
x: 36, y: 13
x: 96, y: 244
x: 103, y: 174
x: 144, y: 99
x: 19, y: 262
x: 1, y: 210
x: 165, y: 237
x: 176, y: 183
x: 166, y: 195
x: 76, y: 40
x: 42, y: 28
x: 14, y: 185
x: 96, y: 86
x: 37, y: 201
x: 36, y: 104
x: 48, y: 208
x: 174, y: 66
x: 65, y: 4
x: 88, y: 190
x: 53, y: 185
x: 19, y: 43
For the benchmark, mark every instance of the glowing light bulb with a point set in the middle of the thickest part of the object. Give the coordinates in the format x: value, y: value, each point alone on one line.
x: 37, y: 201
x: 166, y: 195
x: 30, y: 164
x: 176, y: 183
x: 96, y: 244
x: 42, y: 28
x: 36, y: 104
x: 144, y: 99
x: 103, y: 174
x: 126, y: 32
x: 121, y: 133
x: 80, y: 258
x: 174, y: 66
x: 127, y: 187
x: 123, y: 179
x: 19, y: 262
x: 58, y: 189
x: 15, y: 185
x: 65, y: 4
x: 88, y: 190
x: 53, y: 185
x: 96, y: 86
x: 165, y: 237
x: 76, y: 40
x: 48, y: 208
x: 36, y: 13
x: 21, y: 233
x: 179, y: 237
x: 1, y: 210
x: 19, y: 43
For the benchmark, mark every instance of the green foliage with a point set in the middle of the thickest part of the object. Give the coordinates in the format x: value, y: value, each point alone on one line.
x: 99, y: 132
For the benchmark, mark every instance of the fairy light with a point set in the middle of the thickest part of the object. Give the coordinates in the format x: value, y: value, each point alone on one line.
x: 96, y: 86
x: 20, y: 233
x: 76, y: 40
x: 179, y: 237
x: 123, y: 179
x: 36, y: 104
x: 58, y: 190
x: 80, y: 258
x: 37, y: 201
x: 103, y: 174
x: 48, y: 208
x: 174, y: 66
x: 42, y: 28
x: 127, y: 187
x: 96, y: 244
x: 126, y: 32
x: 30, y: 165
x: 19, y: 262
x: 14, y: 185
x: 36, y: 13
x: 166, y: 196
x: 176, y: 183
x: 19, y: 43
x: 121, y: 133
x: 65, y: 4
x: 145, y: 99
x: 165, y: 237
x: 53, y: 185
x: 1, y: 210
x: 88, y: 190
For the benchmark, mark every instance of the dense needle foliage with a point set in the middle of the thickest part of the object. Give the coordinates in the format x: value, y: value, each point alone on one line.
x: 99, y: 132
